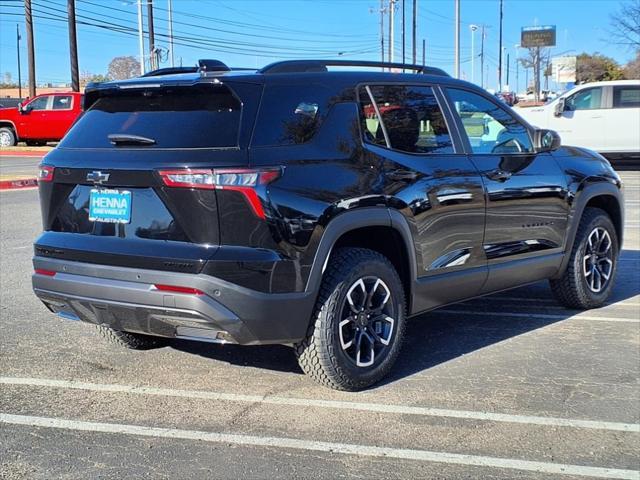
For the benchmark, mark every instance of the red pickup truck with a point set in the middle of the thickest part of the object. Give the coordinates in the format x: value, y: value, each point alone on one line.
x: 42, y: 119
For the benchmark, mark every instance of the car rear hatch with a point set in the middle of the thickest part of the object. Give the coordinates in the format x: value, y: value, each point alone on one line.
x: 103, y: 193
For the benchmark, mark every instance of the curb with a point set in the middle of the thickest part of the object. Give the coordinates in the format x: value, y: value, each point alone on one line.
x: 10, y: 153
x: 18, y: 183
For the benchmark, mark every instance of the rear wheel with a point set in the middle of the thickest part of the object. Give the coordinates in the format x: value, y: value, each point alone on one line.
x: 588, y: 279
x: 135, y: 341
x: 358, y: 324
x: 7, y: 137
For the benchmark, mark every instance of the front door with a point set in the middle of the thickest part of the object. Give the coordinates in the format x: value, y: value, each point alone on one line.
x: 582, y: 123
x: 527, y: 207
x: 428, y: 178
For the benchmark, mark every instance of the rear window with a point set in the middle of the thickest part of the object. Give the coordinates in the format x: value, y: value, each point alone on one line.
x: 189, y: 117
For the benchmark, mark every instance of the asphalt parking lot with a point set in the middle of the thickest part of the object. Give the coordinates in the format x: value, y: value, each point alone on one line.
x: 507, y: 386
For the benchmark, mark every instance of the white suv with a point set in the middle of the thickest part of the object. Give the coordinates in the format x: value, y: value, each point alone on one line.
x: 602, y: 116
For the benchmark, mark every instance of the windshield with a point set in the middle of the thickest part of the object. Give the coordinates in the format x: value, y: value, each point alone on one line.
x: 178, y: 117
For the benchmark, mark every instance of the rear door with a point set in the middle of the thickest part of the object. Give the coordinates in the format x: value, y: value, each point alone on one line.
x: 527, y: 205
x: 430, y: 179
x: 61, y: 115
x: 623, y: 119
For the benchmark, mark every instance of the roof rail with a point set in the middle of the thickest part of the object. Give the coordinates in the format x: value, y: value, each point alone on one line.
x: 302, y: 66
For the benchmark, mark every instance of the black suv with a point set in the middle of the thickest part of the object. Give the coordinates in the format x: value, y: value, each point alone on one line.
x: 314, y: 207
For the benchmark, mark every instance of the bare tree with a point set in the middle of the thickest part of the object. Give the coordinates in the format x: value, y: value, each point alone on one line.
x: 625, y: 25
x: 632, y: 69
x: 121, y: 68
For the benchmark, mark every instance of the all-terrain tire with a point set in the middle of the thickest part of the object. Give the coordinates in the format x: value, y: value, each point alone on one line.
x: 572, y: 288
x: 321, y: 354
x: 134, y: 341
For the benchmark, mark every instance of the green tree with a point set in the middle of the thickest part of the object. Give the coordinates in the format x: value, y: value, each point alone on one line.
x: 596, y: 67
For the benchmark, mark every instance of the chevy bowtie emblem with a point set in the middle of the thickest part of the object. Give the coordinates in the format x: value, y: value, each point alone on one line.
x: 97, y: 177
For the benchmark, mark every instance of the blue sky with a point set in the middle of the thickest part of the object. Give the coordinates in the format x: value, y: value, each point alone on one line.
x: 252, y: 33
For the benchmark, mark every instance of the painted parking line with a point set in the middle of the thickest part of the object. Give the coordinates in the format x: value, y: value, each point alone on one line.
x: 318, y: 446
x: 546, y: 316
x: 333, y: 404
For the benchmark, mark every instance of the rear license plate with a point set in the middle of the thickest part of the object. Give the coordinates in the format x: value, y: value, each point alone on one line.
x: 110, y: 206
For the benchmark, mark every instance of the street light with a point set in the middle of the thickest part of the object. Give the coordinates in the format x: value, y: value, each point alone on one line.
x: 473, y: 54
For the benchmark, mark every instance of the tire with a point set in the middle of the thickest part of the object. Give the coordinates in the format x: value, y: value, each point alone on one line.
x: 7, y: 137
x: 134, y: 341
x: 578, y: 286
x: 329, y: 353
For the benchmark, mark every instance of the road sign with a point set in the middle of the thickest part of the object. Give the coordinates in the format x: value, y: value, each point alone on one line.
x: 542, y: 36
x: 564, y: 69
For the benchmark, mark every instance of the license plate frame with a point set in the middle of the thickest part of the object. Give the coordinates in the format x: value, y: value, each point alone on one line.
x: 110, y: 205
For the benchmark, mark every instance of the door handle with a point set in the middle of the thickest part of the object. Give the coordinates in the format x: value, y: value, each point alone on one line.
x: 499, y: 175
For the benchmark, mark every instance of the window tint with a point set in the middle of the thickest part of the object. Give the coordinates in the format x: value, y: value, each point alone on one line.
x: 189, y: 117
x: 411, y: 116
x: 62, y: 102
x: 290, y: 114
x: 587, y: 99
x: 490, y: 128
x: 626, y: 96
x: 39, y: 103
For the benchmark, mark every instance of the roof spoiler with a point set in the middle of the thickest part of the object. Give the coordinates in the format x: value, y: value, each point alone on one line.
x: 204, y: 66
x: 307, y: 66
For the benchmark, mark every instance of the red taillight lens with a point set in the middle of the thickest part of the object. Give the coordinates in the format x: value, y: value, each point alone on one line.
x: 177, y: 289
x: 45, y: 174
x: 241, y: 180
x: 48, y: 273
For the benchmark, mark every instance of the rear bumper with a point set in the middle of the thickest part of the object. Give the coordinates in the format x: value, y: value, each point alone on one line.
x: 125, y: 299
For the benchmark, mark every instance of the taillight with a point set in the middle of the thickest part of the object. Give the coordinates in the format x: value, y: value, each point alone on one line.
x: 241, y: 180
x: 47, y: 273
x: 178, y: 289
x: 45, y: 174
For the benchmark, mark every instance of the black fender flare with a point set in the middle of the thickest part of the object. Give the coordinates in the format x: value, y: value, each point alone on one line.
x: 352, y: 220
x: 588, y: 189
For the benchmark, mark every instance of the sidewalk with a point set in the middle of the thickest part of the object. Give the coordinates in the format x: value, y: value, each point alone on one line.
x: 18, y: 166
x: 24, y: 151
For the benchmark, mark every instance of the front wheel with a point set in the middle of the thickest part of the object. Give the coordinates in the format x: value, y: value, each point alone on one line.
x: 588, y: 280
x: 359, y: 321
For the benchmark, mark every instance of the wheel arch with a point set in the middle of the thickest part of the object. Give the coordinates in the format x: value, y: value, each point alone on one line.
x: 377, y: 228
x: 10, y: 124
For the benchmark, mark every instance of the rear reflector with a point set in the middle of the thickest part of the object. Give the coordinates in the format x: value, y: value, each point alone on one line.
x: 48, y: 273
x: 241, y: 180
x: 45, y: 174
x: 177, y: 289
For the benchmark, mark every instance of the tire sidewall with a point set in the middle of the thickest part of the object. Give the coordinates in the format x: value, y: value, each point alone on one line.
x: 331, y: 317
x: 593, y: 298
x: 11, y: 133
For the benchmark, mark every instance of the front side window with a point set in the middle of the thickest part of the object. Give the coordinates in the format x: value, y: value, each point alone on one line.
x: 39, y: 103
x: 411, y: 117
x: 490, y: 128
x: 626, y: 96
x: 62, y: 102
x: 587, y: 99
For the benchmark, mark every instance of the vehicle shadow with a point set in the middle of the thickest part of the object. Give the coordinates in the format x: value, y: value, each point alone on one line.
x: 435, y: 337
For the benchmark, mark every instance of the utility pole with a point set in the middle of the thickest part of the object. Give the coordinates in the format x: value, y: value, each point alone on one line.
x: 31, y: 54
x: 473, y: 52
x: 73, y: 45
x: 403, y: 33
x: 141, y: 38
x: 382, y: 10
x: 500, y: 52
x: 152, y: 42
x: 19, y: 71
x: 517, y: 47
x: 457, y: 39
x: 391, y: 31
x: 414, y: 27
x: 170, y: 18
x: 424, y: 52
x: 507, y: 71
x: 482, y: 57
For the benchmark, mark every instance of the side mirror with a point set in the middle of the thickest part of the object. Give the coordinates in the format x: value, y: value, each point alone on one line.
x: 20, y: 108
x: 547, y: 140
x: 559, y: 108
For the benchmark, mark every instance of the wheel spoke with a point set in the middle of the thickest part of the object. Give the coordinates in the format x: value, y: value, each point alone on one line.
x: 341, y: 326
x: 357, y: 308
x: 360, y: 345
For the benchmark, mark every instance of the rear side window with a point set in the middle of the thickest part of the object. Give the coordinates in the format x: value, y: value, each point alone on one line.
x: 291, y: 114
x: 189, y: 117
x: 626, y: 96
x: 62, y: 102
x: 411, y: 118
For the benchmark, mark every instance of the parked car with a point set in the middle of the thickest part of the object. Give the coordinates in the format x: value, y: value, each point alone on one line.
x: 510, y: 98
x: 283, y: 206
x: 602, y: 116
x: 42, y: 119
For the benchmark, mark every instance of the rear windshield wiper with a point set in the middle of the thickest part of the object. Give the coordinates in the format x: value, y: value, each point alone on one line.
x: 126, y: 139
